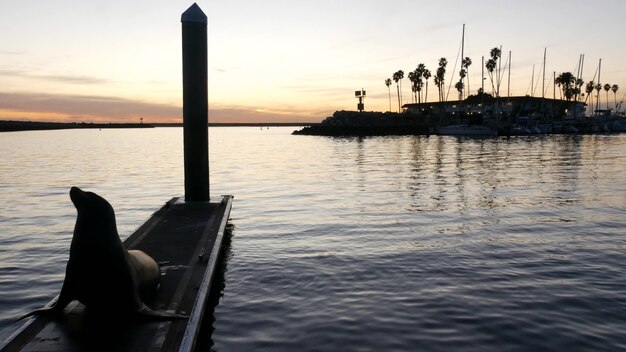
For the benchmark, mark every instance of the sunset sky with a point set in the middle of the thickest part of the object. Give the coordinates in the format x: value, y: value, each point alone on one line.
x: 282, y: 60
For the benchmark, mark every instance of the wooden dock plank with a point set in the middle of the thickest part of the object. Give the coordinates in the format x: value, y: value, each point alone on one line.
x: 185, y: 238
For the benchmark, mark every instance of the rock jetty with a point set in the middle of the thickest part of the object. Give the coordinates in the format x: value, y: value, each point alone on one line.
x: 354, y: 123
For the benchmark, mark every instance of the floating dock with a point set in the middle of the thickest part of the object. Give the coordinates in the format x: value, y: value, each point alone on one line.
x: 186, y: 238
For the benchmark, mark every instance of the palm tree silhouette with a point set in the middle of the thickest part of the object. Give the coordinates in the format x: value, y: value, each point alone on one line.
x: 440, y: 76
x: 598, y: 89
x: 426, y: 74
x: 492, y: 65
x: 589, y: 89
x: 567, y: 82
x: 607, y: 88
x: 388, y: 84
x: 397, y: 77
x: 459, y: 87
x: 419, y: 74
x: 413, y: 81
x: 465, y: 63
x: 577, y: 89
x: 615, y: 88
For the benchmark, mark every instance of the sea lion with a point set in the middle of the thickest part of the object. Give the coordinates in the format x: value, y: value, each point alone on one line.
x: 101, y: 273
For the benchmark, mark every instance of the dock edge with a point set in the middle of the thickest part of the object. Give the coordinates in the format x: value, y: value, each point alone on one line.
x: 195, y: 318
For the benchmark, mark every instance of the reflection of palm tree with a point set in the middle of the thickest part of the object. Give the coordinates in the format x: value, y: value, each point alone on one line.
x: 388, y: 84
x: 397, y: 77
x: 615, y: 88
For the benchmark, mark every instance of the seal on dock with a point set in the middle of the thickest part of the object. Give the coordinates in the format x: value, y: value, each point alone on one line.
x: 101, y: 273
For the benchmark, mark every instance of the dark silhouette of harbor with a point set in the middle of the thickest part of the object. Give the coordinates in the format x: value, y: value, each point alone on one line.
x: 14, y: 126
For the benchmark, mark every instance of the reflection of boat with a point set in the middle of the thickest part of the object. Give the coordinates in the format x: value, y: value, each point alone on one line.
x: 467, y: 130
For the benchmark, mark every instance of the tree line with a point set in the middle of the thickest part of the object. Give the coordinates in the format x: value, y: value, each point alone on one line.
x: 570, y: 86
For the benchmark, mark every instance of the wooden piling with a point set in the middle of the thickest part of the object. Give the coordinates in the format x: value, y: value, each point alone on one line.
x: 195, y: 104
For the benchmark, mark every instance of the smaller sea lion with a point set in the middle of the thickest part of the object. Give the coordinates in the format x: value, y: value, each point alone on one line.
x: 100, y: 272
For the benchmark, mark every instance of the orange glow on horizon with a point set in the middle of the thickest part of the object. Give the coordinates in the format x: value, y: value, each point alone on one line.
x: 218, y: 115
x: 36, y: 116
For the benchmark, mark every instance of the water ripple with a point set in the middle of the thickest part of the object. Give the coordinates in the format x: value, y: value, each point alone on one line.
x: 356, y: 244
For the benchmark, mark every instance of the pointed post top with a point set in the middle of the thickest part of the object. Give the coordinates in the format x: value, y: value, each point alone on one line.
x: 194, y: 14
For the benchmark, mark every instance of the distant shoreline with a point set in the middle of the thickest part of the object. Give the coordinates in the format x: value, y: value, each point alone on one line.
x: 15, y: 126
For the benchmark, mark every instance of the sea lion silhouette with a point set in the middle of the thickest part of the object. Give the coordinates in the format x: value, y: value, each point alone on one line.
x: 101, y: 273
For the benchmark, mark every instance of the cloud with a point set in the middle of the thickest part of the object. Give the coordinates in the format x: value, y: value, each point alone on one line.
x: 78, y: 108
x: 245, y: 115
x: 54, y: 78
x: 8, y: 52
x: 93, y: 108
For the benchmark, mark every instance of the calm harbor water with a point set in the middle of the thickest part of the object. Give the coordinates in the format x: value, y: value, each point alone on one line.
x: 392, y: 243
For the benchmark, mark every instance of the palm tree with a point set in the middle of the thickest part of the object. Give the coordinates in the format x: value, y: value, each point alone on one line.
x: 578, y: 85
x: 426, y: 74
x: 420, y: 71
x: 413, y: 81
x: 598, y: 89
x: 440, y: 77
x: 607, y: 88
x: 615, y: 88
x: 459, y: 87
x: 589, y: 89
x: 465, y: 63
x: 491, y: 65
x: 397, y: 77
x: 567, y: 82
x: 388, y: 84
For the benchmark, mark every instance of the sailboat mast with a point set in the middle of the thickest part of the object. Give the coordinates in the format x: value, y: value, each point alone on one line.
x: 599, y: 84
x: 532, y: 83
x: 543, y: 81
x: 553, y: 91
x: 554, y: 85
x: 579, y: 73
x: 508, y: 89
x: 482, y: 88
x: 499, y: 71
x: 462, y: 57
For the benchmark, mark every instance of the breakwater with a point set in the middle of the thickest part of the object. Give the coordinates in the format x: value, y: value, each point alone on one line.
x: 353, y: 123
x: 13, y: 126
